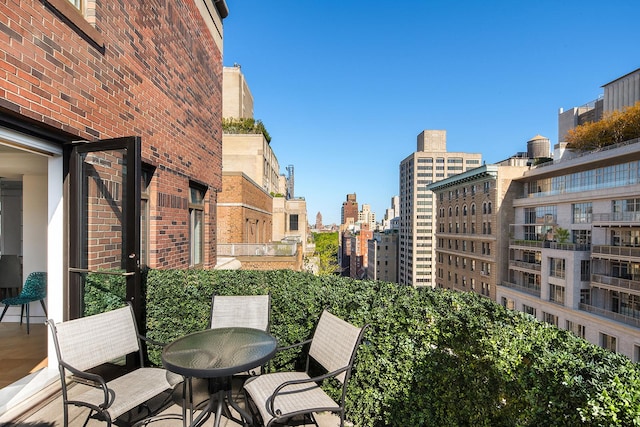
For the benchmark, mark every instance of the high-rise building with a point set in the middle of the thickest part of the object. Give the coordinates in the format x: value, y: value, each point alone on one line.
x: 431, y: 162
x: 349, y: 212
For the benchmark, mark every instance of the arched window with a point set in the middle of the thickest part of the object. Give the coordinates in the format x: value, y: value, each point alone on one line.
x: 489, y: 207
x: 484, y: 208
x: 450, y: 210
x: 464, y: 210
x: 473, y: 209
x: 457, y: 211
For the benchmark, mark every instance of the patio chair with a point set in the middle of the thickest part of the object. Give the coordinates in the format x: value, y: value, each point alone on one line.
x: 247, y: 311
x: 34, y: 289
x: 280, y: 396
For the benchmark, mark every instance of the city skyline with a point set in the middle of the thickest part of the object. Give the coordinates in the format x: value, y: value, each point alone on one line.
x: 344, y: 90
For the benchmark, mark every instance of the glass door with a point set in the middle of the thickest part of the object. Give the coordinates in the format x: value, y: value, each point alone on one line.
x: 104, y: 227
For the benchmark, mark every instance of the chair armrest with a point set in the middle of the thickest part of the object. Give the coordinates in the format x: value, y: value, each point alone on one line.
x: 151, y: 341
x: 270, y: 400
x: 289, y: 347
x: 93, y: 380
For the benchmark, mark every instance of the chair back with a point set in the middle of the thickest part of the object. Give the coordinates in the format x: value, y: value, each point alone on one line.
x: 109, y: 335
x: 35, y: 287
x: 334, y: 343
x: 247, y: 311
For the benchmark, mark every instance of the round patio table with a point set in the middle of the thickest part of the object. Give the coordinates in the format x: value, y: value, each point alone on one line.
x: 217, y: 354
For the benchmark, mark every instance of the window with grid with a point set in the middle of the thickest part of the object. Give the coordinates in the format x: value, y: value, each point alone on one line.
x: 556, y: 293
x: 557, y: 267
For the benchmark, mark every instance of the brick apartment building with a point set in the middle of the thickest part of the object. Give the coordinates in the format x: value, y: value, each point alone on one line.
x: 137, y: 87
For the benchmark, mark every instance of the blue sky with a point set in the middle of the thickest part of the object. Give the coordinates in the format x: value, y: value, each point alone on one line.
x: 345, y: 86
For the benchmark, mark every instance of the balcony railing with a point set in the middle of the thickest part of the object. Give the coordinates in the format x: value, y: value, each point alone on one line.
x: 628, y: 320
x: 525, y: 265
x: 551, y: 245
x: 616, y: 217
x: 531, y: 290
x: 628, y: 284
x: 617, y: 251
x: 257, y: 249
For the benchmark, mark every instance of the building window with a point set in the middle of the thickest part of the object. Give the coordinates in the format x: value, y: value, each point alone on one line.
x: 508, y: 303
x: 146, y: 175
x: 576, y: 328
x: 556, y: 293
x: 76, y: 3
x: 529, y: 310
x: 556, y: 267
x: 196, y: 224
x: 550, y: 318
x: 582, y: 213
x: 585, y: 270
x: 293, y: 222
x: 609, y: 342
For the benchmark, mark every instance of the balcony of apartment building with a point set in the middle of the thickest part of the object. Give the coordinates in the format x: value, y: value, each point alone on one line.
x: 544, y: 236
x: 264, y: 256
x: 524, y: 281
x: 618, y: 305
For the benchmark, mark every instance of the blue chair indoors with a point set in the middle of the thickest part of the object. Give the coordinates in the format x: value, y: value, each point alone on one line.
x: 34, y: 289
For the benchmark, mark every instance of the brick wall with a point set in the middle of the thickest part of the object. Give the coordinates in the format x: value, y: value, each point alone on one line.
x: 158, y: 76
x: 244, y: 211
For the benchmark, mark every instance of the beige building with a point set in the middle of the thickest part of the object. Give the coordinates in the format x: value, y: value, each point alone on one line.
x: 253, y: 155
x: 574, y: 253
x: 431, y: 162
x: 237, y: 99
x: 249, y: 164
x: 474, y: 214
x: 383, y: 256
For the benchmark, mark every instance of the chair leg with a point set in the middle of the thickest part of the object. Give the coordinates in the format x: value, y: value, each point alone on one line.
x: 21, y: 313
x: 4, y: 311
x: 44, y: 308
x: 27, y: 304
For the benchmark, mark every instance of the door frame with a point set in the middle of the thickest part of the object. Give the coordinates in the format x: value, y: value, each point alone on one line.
x: 130, y: 222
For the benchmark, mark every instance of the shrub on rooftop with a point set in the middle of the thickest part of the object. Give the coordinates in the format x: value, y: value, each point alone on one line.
x: 430, y: 357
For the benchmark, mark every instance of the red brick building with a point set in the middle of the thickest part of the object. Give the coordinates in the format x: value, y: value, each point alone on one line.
x: 110, y: 129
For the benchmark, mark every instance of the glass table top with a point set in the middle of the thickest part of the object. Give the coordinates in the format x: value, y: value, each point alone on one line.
x: 218, y: 352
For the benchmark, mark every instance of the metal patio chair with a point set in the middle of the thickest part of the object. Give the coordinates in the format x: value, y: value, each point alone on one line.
x: 280, y: 396
x: 34, y: 289
x: 247, y: 311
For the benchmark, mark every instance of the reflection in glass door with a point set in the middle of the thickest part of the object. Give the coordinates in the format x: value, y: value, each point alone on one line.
x: 104, y: 220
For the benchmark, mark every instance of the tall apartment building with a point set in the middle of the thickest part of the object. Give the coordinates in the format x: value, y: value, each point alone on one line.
x: 349, y: 211
x: 391, y: 213
x: 383, y: 256
x: 348, y: 219
x: 431, y: 162
x: 474, y: 215
x: 574, y: 251
x: 358, y: 259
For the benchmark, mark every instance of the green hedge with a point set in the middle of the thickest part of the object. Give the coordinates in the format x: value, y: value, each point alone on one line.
x: 430, y: 357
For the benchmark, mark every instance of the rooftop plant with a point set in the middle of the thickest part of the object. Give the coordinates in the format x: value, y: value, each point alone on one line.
x: 613, y: 128
x: 246, y: 125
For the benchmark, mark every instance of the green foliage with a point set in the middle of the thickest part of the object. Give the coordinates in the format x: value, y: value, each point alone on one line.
x: 613, y: 128
x: 245, y: 126
x: 430, y: 357
x: 103, y: 292
x: 562, y: 234
x: 327, y: 252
